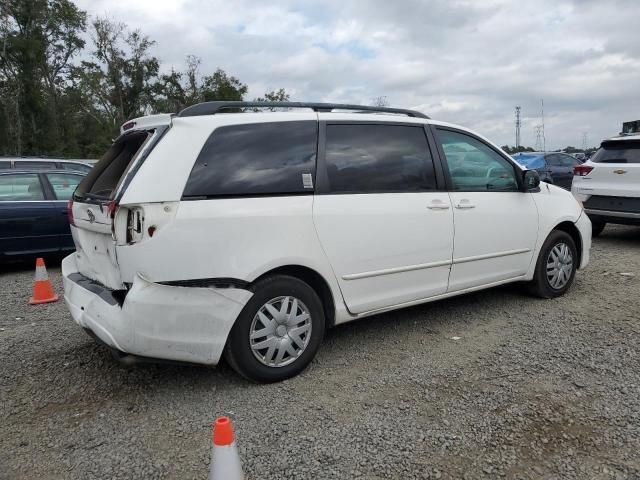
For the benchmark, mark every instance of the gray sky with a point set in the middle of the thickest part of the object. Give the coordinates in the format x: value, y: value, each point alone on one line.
x: 467, y: 62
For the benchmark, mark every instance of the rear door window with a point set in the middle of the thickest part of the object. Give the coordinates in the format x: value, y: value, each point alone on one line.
x: 568, y: 160
x: 561, y: 160
x: 63, y: 184
x: 78, y: 167
x: 618, y: 151
x: 256, y: 159
x: 21, y: 187
x: 374, y: 158
x: 5, y: 164
x: 34, y: 165
x: 554, y: 160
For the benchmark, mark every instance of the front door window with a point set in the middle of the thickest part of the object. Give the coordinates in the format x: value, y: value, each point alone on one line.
x: 474, y: 166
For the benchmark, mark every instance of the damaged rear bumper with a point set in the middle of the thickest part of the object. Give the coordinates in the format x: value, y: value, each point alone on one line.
x: 185, y: 324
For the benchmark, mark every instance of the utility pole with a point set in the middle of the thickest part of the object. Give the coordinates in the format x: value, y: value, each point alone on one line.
x: 517, y: 126
x: 538, y: 130
x: 544, y: 139
x: 584, y: 141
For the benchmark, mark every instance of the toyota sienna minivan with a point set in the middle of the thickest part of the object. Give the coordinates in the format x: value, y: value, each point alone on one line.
x: 225, y: 231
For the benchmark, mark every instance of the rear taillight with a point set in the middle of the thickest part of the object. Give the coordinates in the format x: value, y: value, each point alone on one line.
x: 582, y: 170
x: 70, y: 212
x: 112, y: 206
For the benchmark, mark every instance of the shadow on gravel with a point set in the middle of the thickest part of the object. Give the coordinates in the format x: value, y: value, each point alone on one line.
x: 620, y: 235
x: 433, y: 314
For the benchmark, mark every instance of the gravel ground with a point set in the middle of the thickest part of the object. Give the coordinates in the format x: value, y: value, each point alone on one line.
x: 530, y: 389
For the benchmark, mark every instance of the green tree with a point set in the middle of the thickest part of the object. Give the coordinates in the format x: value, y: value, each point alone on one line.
x: 119, y: 83
x: 221, y: 86
x: 177, y: 90
x: 512, y: 150
x: 380, y: 101
x: 273, y: 96
x: 39, y: 38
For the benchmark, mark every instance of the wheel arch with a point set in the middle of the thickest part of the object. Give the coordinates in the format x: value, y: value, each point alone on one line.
x: 314, y: 280
x: 570, y: 228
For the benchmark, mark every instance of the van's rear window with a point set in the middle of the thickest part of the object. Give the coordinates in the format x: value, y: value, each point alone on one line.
x: 105, y: 176
x: 618, y: 151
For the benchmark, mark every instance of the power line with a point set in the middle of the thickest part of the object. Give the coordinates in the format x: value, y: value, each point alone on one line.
x: 517, y: 126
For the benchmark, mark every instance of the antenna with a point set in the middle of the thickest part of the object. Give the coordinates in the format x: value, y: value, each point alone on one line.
x: 517, y: 126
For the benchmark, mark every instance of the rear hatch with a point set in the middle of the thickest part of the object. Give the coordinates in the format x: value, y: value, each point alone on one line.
x: 615, y: 170
x: 93, y: 207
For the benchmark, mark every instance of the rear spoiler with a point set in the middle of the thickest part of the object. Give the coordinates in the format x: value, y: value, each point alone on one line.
x: 147, y: 122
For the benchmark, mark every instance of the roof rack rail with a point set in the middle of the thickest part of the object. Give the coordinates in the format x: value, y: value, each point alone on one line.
x: 211, y: 108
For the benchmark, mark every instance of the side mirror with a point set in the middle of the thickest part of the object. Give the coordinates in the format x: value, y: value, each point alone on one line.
x: 530, y: 180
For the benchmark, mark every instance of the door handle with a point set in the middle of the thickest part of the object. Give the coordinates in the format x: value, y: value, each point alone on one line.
x: 438, y: 205
x: 464, y: 204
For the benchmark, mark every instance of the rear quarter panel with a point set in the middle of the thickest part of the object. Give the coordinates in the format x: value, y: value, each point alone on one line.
x: 239, y: 238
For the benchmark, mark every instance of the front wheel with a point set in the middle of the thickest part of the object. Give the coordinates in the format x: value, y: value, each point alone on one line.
x: 278, y: 332
x: 556, y: 266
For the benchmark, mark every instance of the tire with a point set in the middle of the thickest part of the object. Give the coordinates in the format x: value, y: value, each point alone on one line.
x: 543, y: 286
x: 284, y: 333
x: 597, y: 226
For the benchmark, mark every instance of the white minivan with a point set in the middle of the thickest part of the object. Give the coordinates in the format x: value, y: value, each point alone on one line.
x: 226, y: 231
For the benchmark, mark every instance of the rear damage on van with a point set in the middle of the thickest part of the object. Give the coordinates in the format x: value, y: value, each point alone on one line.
x: 107, y: 290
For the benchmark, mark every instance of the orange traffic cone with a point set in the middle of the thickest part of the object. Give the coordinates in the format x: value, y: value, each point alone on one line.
x: 42, y: 289
x: 225, y: 461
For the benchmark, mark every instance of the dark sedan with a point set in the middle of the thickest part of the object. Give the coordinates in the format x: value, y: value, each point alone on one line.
x: 33, y: 212
x: 555, y: 168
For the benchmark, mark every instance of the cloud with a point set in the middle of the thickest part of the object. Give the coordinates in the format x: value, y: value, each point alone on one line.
x: 461, y: 61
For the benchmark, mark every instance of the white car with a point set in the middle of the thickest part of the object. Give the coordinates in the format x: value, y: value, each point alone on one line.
x: 608, y: 184
x: 249, y: 234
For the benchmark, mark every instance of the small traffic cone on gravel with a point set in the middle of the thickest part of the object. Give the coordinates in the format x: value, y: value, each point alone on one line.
x: 42, y: 289
x: 225, y: 461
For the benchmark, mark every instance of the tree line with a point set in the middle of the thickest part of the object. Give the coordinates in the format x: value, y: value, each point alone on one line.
x: 62, y: 96
x: 568, y: 149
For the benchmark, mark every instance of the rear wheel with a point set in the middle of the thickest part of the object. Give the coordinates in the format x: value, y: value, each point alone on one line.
x: 278, y: 332
x: 597, y: 226
x: 556, y: 266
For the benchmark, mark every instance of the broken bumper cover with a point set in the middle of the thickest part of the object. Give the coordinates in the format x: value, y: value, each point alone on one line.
x: 159, y: 321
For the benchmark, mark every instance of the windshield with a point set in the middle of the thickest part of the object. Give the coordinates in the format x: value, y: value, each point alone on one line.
x: 529, y: 161
x: 618, y: 151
